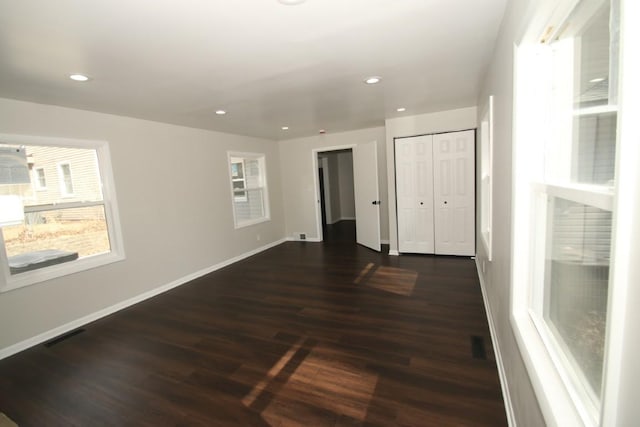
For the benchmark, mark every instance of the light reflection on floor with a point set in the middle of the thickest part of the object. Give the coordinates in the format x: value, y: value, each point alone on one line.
x: 389, y: 279
x: 297, y: 384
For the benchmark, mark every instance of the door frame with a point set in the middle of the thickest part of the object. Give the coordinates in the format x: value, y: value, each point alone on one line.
x: 316, y: 181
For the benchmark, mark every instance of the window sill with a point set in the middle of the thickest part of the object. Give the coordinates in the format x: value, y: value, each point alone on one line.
x: 556, y: 400
x: 32, y: 277
x: 250, y: 223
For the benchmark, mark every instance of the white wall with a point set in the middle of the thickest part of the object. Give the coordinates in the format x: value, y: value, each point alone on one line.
x: 497, y: 277
x: 334, y: 187
x: 423, y: 124
x: 347, y: 196
x: 296, y: 160
x: 175, y: 207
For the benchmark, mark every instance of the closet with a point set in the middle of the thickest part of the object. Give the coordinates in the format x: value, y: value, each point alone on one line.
x: 435, y: 190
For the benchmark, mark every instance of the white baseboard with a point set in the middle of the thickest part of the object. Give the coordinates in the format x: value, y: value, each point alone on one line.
x: 508, y: 406
x: 74, y: 324
x: 394, y: 252
x: 347, y: 218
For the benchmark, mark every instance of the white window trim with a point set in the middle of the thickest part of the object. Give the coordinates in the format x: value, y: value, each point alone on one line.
x: 36, y: 179
x: 11, y: 282
x: 556, y: 398
x: 61, y: 182
x: 486, y: 177
x: 265, y: 188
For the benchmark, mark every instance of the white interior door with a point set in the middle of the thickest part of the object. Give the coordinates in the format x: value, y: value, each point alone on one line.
x: 365, y: 177
x: 454, y: 193
x: 414, y: 192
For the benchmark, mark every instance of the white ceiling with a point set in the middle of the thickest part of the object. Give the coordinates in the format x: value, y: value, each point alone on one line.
x: 268, y: 65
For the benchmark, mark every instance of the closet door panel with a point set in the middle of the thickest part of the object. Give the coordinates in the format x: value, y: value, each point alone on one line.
x: 454, y: 194
x: 414, y: 192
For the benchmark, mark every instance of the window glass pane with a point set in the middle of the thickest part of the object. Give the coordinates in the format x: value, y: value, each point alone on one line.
x: 251, y: 207
x: 596, y: 150
x: 70, y: 171
x: 237, y: 169
x: 577, y: 284
x: 592, y: 63
x: 585, y: 89
x: 54, y: 236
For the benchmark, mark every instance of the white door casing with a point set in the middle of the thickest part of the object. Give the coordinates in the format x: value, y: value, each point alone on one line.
x: 454, y: 192
x: 414, y: 182
x: 365, y: 177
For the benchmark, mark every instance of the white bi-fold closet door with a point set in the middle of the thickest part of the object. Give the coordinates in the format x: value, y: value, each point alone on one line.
x: 435, y: 190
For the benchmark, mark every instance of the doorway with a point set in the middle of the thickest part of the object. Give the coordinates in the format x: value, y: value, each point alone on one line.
x: 356, y: 197
x: 337, y: 195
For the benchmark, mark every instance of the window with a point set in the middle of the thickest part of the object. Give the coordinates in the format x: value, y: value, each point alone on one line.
x: 40, y: 180
x: 564, y: 173
x: 66, y: 227
x: 66, y: 184
x: 486, y: 172
x: 248, y: 188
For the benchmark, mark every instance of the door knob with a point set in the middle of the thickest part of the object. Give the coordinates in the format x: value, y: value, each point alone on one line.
x: 445, y: 202
x: 421, y: 203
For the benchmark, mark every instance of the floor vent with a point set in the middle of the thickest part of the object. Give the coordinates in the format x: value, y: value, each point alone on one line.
x: 477, y: 347
x: 63, y: 337
x: 303, y: 236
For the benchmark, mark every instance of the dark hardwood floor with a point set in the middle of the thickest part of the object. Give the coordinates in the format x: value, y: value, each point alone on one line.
x: 314, y: 334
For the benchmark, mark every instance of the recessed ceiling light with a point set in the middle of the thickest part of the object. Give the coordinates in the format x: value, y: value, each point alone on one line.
x: 285, y: 128
x: 221, y: 112
x: 79, y: 78
x: 597, y: 80
x: 401, y: 109
x: 291, y: 2
x: 373, y: 80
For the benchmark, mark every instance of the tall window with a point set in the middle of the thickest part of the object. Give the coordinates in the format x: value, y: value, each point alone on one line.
x: 248, y: 188
x: 68, y: 226
x: 40, y: 179
x: 564, y: 195
x: 66, y: 184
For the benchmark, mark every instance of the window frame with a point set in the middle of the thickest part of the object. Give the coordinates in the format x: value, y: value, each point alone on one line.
x: 560, y: 401
x: 262, y: 159
x: 109, y: 202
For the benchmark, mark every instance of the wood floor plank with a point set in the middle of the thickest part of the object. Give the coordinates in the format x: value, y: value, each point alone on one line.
x: 304, y: 334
